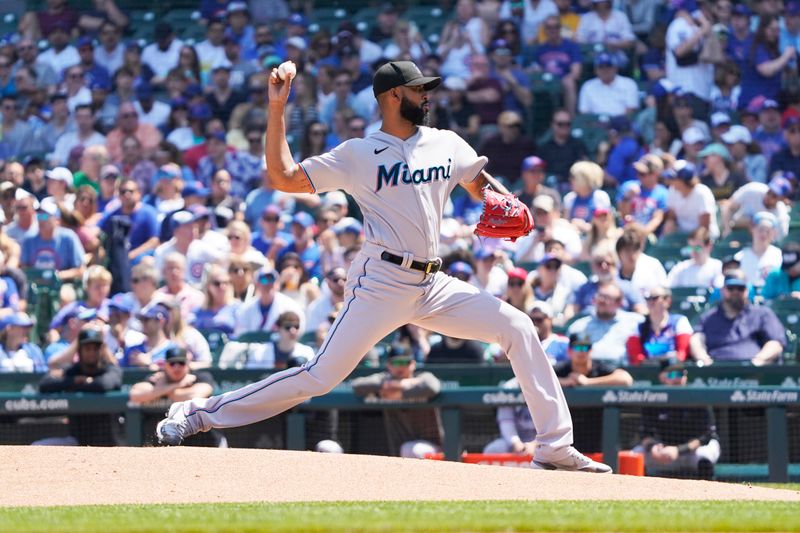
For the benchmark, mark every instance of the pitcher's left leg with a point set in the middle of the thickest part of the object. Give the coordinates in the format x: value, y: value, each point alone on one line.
x: 458, y: 309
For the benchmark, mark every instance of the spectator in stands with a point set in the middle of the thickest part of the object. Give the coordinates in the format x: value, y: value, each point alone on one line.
x: 60, y: 55
x: 218, y: 310
x: 548, y: 225
x: 451, y: 109
x: 163, y: 54
x: 717, y: 174
x: 239, y: 237
x: 746, y: 156
x: 59, y: 183
x: 761, y: 257
x: 563, y: 150
x: 144, y: 281
x: 754, y: 198
x: 740, y: 37
x: 644, y: 202
x: 623, y: 150
x: 580, y: 369
x: 16, y: 132
x: 561, y: 58
x: 151, y: 351
x: 131, y: 231
x: 532, y: 182
x: 109, y: 53
x: 222, y: 99
x: 96, y: 287
x: 294, y: 281
x: 693, y: 140
x: 768, y: 134
x: 313, y: 141
x: 586, y: 178
x: 167, y: 195
x: 554, y: 344
x: 128, y: 124
x: 303, y: 244
x: 177, y: 382
x: 412, y: 433
x: 68, y: 326
x: 608, y: 93
x: 210, y: 51
x: 262, y: 311
x: 28, y: 53
x: 150, y: 110
x: 406, y: 41
x: 485, y: 91
x: 174, y: 274
x: 608, y: 326
x: 24, y: 224
x: 662, y: 336
x: 490, y: 275
x: 271, y: 237
x: 182, y: 334
x: 519, y: 292
x: 554, y: 282
x: 53, y: 248
x: 282, y: 352
x: 185, y: 241
x: 762, y: 72
x: 517, y: 432
x: 332, y: 295
x: 643, y: 271
x: 690, y: 204
x: 736, y: 330
x: 700, y: 270
x: 95, y: 371
x: 241, y: 272
x: 678, y: 440
x: 787, y: 159
x: 220, y: 158
x: 785, y: 281
x: 515, y: 82
x: 17, y: 353
x: 686, y: 37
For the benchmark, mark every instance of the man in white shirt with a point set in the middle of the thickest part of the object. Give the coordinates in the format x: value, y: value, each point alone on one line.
x: 685, y: 37
x: 549, y: 226
x: 261, y: 313
x: 150, y: 110
x: 85, y: 135
x: 61, y: 55
x: 185, y: 241
x: 690, y: 204
x: 701, y: 270
x: 643, y: 271
x: 754, y: 197
x: 162, y: 55
x: 109, y: 54
x: 535, y: 11
x: 608, y: 93
x: 762, y: 257
x: 211, y: 51
x: 606, y: 26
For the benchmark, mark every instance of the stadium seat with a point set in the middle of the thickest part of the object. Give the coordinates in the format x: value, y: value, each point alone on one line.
x: 216, y: 342
x: 254, y: 336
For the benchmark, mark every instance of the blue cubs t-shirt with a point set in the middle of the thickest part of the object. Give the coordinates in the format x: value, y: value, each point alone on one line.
x: 62, y: 252
x: 557, y: 60
x: 648, y: 202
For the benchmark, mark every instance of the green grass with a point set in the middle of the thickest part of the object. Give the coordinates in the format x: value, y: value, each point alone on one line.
x: 410, y: 516
x: 785, y: 486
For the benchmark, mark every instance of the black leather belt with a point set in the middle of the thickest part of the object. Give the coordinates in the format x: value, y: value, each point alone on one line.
x: 429, y: 267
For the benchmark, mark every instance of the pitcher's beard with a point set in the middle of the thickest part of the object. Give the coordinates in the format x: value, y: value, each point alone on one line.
x: 415, y: 114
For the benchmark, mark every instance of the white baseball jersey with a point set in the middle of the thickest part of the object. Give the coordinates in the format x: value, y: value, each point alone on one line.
x: 401, y: 186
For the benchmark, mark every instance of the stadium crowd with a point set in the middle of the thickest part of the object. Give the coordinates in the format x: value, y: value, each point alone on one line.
x: 134, y: 198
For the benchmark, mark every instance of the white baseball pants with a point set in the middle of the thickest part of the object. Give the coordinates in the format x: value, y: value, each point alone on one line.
x: 380, y: 297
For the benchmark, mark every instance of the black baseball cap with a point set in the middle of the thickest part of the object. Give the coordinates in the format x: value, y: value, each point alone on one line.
x: 175, y: 353
x: 90, y: 336
x: 396, y: 73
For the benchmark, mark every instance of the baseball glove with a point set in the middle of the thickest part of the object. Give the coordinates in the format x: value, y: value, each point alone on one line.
x: 504, y: 217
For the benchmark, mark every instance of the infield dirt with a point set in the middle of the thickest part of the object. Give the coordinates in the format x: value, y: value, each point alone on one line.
x: 38, y: 476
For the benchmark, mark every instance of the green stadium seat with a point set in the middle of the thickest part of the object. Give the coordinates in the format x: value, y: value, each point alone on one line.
x: 254, y: 336
x: 216, y: 342
x: 585, y: 267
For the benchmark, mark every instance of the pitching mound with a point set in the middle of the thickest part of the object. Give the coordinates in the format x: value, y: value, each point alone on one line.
x: 77, y: 476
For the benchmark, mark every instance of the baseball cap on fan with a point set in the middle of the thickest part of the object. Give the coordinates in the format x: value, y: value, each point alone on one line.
x: 401, y: 73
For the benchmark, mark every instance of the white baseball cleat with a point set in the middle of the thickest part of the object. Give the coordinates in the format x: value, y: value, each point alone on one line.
x: 566, y: 458
x: 174, y: 428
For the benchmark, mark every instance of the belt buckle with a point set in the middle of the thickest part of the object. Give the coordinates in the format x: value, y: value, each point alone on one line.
x: 436, y: 262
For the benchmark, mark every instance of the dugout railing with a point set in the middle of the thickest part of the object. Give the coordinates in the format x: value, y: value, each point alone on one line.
x: 776, y: 410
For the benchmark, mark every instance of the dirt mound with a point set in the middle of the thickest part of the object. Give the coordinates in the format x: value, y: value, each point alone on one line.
x: 75, y: 476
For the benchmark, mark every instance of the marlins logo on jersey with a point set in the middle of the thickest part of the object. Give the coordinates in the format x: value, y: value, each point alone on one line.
x: 400, y: 172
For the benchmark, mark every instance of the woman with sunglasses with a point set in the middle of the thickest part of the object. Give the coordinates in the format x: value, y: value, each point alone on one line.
x: 662, y: 335
x: 239, y: 238
x: 603, y: 228
x: 218, y: 310
x: 241, y: 273
x: 182, y: 334
x: 283, y: 351
x: 518, y: 292
x: 294, y: 280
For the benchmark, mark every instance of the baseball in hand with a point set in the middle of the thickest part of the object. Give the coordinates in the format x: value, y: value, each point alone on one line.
x: 287, y: 68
